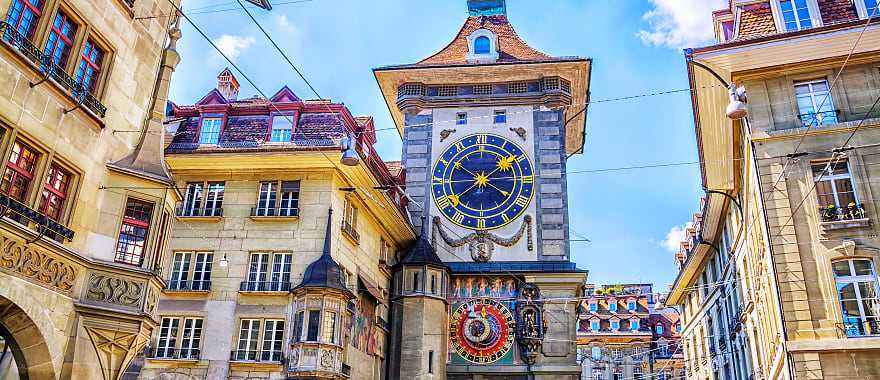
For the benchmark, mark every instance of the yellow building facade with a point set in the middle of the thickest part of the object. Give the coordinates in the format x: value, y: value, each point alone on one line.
x: 261, y: 283
x: 86, y: 203
x: 780, y: 267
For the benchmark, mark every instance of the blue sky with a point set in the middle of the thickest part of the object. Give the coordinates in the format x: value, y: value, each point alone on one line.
x: 636, y: 48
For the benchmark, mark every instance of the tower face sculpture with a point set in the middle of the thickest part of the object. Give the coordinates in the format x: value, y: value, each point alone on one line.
x: 487, y: 125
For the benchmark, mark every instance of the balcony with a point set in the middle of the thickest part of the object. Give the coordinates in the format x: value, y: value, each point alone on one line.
x: 859, y: 329
x: 264, y: 287
x: 255, y: 356
x: 852, y: 215
x: 29, y: 217
x: 43, y: 63
x: 274, y: 213
x: 187, y: 354
x: 552, y: 91
x: 349, y: 231
x: 199, y: 213
x: 815, y: 119
x: 188, y: 286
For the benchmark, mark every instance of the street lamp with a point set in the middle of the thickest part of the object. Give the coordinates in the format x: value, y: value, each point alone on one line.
x: 261, y: 3
x: 350, y: 156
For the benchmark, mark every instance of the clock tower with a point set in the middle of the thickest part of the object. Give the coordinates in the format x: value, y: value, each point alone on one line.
x: 487, y: 124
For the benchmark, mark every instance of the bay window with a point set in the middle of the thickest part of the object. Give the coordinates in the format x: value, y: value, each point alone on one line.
x: 815, y: 103
x: 89, y: 70
x: 209, y: 133
x: 133, y: 233
x: 856, y: 282
x: 61, y: 36
x: 256, y: 344
x: 24, y: 15
x: 19, y: 171
x: 55, y: 191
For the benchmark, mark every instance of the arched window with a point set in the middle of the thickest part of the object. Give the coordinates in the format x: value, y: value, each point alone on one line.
x: 481, y: 45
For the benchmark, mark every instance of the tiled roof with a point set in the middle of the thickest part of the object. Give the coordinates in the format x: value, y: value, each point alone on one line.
x: 510, y: 47
x: 395, y: 167
x: 837, y: 11
x: 318, y: 129
x: 756, y: 21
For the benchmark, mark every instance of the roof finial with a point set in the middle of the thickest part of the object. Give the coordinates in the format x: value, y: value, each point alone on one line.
x: 326, y: 251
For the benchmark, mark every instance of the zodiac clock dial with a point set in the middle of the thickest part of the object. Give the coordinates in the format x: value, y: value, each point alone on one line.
x: 483, y: 182
x: 482, y: 330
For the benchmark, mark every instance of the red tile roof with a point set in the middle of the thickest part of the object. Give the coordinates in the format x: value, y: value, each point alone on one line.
x: 837, y: 11
x: 394, y: 167
x: 510, y: 47
x: 756, y: 21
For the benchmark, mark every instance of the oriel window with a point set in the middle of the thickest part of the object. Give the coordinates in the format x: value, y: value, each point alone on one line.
x: 133, y: 233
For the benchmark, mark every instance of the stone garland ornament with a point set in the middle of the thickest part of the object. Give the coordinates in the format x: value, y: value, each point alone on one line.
x: 530, y: 320
x: 481, y: 244
x: 39, y: 266
x: 114, y: 290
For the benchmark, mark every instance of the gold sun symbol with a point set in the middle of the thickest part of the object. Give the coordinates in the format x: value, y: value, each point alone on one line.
x: 505, y: 164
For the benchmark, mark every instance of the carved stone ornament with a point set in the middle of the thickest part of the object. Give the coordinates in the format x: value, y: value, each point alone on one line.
x: 151, y: 301
x: 114, y: 290
x: 327, y: 359
x: 116, y: 345
x: 520, y: 131
x: 530, y: 322
x: 481, y: 243
x: 444, y: 134
x: 294, y: 358
x: 29, y: 262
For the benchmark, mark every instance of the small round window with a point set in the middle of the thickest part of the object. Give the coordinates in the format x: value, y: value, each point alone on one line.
x: 481, y: 45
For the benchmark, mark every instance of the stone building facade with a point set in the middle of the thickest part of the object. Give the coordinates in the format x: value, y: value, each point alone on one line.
x: 487, y: 124
x: 787, y: 228
x: 622, y: 334
x: 263, y: 282
x: 85, y: 197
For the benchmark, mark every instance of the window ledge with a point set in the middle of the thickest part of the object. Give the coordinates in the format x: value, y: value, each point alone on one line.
x: 275, y: 218
x: 800, y: 129
x: 172, y: 360
x: 186, y: 291
x: 207, y: 219
x: 266, y: 366
x: 845, y: 224
x: 265, y: 292
x: 352, y: 236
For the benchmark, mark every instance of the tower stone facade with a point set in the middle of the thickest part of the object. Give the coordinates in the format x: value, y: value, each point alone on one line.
x: 488, y: 123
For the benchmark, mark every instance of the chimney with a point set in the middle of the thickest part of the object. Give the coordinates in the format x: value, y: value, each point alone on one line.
x: 487, y: 7
x: 227, y: 84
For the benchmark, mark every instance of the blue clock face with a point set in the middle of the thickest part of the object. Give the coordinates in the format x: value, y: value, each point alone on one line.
x: 483, y: 182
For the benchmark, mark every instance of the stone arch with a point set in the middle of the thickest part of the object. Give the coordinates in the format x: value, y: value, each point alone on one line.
x: 29, y: 347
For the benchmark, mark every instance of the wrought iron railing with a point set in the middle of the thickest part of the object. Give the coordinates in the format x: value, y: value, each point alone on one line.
x: 275, y: 211
x: 348, y: 229
x: 25, y: 215
x: 264, y: 286
x: 852, y: 329
x: 815, y: 119
x: 188, y: 211
x: 173, y: 353
x: 183, y: 285
x: 256, y: 356
x: 832, y: 213
x: 46, y: 64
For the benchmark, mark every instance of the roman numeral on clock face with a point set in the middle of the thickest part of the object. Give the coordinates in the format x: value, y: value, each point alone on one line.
x: 443, y: 202
x: 522, y: 201
x: 481, y: 223
x: 458, y: 217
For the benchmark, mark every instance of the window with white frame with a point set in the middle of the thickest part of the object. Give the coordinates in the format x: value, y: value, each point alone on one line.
x: 268, y: 272
x: 616, y: 354
x: 663, y: 349
x: 615, y: 325
x: 795, y: 14
x: 594, y: 325
x: 349, y: 219
x: 177, y: 343
x: 597, y: 374
x: 631, y: 305
x: 612, y: 305
x: 659, y: 328
x: 634, y: 324
x: 259, y: 340
x: 835, y: 192
x: 209, y: 133
x: 856, y: 282
x: 198, y: 202
x: 196, y: 266
x: 282, y: 129
x: 868, y: 8
x: 278, y: 198
x: 618, y: 375
x: 594, y: 306
x: 815, y: 104
x: 596, y: 353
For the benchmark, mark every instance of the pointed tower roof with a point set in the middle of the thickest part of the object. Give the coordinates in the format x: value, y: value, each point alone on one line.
x: 422, y: 252
x: 324, y: 273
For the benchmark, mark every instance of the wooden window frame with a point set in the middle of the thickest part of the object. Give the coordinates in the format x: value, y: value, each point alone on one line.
x: 19, y: 171
x: 69, y: 41
x: 86, y: 62
x: 136, y: 223
x: 56, y: 193
x: 34, y: 25
x: 271, y: 127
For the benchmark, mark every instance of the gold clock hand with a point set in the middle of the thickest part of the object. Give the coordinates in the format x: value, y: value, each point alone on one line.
x: 504, y: 193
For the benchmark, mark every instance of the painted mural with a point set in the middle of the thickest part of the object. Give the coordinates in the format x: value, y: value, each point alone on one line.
x: 363, y: 325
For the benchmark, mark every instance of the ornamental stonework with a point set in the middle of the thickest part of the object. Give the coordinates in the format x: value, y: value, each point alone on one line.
x: 41, y: 267
x: 104, y: 288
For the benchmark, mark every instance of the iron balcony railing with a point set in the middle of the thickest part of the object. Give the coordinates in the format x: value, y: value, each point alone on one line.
x: 264, y: 286
x: 833, y: 213
x: 45, y: 63
x: 256, y: 356
x: 854, y: 329
x: 275, y: 211
x: 183, y: 285
x: 189, y: 211
x: 815, y: 119
x: 25, y: 215
x: 173, y: 353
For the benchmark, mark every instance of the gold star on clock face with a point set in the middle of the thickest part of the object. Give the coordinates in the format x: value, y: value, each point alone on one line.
x: 481, y: 180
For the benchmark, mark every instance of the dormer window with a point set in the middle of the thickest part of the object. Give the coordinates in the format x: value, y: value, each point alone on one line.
x: 594, y: 325
x: 612, y: 306
x: 209, y: 133
x: 594, y: 306
x: 631, y: 305
x: 615, y: 325
x: 482, y: 46
x: 634, y: 324
x: 868, y: 8
x: 792, y: 15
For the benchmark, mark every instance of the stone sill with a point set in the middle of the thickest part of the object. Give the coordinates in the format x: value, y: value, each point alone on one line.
x: 350, y: 237
x: 202, y: 219
x: 174, y: 361
x: 264, y: 292
x: 257, y: 366
x: 779, y: 132
x: 844, y: 224
x: 186, y: 291
x: 275, y: 218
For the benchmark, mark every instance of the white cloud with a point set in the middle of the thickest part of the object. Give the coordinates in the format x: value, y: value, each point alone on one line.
x: 680, y: 23
x: 284, y: 23
x: 233, y: 46
x: 675, y: 236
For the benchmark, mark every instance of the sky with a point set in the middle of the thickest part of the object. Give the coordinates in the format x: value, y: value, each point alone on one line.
x: 633, y: 219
